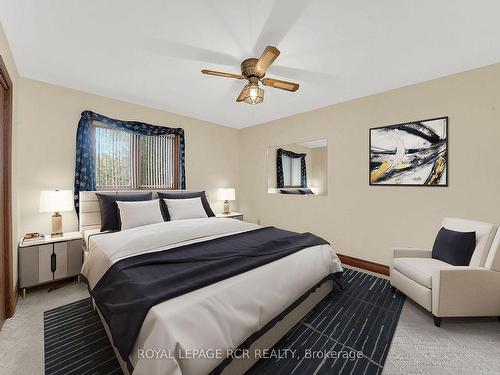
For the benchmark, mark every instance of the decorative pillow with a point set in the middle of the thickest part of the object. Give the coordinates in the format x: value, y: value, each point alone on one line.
x: 137, y: 214
x: 184, y: 195
x: 306, y: 191
x: 190, y: 208
x: 453, y: 247
x: 290, y: 191
x: 110, y: 219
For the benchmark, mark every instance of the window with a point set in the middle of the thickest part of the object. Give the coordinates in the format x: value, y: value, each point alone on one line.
x: 129, y: 161
x: 291, y: 171
x: 113, y: 158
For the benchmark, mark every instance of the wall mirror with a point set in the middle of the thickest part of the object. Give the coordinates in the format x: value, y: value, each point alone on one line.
x: 298, y: 168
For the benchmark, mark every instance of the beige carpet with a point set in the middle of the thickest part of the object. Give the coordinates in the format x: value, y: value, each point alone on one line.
x: 21, y: 337
x: 459, y: 346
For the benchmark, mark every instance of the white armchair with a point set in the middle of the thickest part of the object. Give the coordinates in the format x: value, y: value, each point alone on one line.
x: 447, y: 290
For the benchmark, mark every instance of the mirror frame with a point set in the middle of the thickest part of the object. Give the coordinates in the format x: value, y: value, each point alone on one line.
x: 279, y: 168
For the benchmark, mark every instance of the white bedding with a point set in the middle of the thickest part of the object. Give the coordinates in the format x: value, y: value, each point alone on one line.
x: 220, y: 316
x: 87, y: 233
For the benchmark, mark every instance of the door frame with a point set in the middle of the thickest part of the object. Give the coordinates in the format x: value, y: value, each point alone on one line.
x: 6, y: 122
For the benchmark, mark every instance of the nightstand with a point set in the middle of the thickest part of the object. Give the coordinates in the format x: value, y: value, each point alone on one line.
x: 52, y: 258
x: 232, y: 215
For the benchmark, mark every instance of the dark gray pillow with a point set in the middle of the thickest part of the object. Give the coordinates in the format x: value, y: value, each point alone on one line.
x: 453, y: 247
x: 290, y: 191
x: 306, y: 191
x: 183, y: 195
x: 110, y: 217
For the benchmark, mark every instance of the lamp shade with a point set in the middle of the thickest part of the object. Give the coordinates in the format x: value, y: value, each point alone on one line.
x: 227, y: 194
x: 253, y: 94
x: 56, y: 200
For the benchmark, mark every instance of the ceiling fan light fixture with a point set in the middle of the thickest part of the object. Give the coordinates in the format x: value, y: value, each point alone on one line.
x: 253, y: 94
x: 254, y: 70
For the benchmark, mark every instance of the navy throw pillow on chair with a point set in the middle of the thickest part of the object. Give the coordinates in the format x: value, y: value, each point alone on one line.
x: 453, y: 247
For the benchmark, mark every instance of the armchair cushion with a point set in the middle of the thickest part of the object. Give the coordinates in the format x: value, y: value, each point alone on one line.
x: 419, y: 269
x: 454, y: 247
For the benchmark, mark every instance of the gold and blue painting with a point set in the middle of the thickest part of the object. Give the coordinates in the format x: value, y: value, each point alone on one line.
x: 410, y: 154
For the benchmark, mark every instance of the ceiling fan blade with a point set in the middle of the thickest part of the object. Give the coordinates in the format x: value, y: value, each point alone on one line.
x: 266, y: 59
x: 167, y: 48
x: 241, y: 97
x: 279, y: 22
x: 278, y: 84
x: 303, y: 75
x: 222, y: 74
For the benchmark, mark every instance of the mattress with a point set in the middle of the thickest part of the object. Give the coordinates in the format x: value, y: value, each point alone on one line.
x: 193, y: 333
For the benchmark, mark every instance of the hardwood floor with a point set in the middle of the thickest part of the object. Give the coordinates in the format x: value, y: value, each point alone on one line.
x: 364, y: 264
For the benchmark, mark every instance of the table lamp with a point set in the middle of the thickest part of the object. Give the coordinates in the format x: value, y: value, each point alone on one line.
x: 226, y: 195
x: 56, y: 201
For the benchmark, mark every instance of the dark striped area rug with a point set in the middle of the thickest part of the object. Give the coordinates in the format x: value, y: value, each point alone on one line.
x: 75, y: 341
x: 346, y: 333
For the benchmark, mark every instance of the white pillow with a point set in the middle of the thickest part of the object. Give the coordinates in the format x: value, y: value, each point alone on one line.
x: 137, y: 214
x: 190, y: 208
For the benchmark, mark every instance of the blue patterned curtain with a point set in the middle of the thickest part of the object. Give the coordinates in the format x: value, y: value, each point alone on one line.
x: 279, y: 167
x: 85, y: 177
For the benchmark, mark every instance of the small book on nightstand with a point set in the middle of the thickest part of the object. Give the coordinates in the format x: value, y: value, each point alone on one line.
x: 33, y: 237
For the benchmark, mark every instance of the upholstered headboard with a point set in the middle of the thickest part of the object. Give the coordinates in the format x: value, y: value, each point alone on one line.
x: 90, y: 211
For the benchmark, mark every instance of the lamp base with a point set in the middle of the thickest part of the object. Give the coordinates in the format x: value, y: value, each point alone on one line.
x: 226, y: 208
x: 56, y: 225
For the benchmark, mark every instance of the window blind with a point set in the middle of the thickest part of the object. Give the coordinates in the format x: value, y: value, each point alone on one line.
x: 156, y: 162
x: 129, y: 161
x: 113, y: 158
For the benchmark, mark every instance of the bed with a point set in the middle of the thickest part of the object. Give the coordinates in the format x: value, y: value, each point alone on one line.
x: 216, y: 328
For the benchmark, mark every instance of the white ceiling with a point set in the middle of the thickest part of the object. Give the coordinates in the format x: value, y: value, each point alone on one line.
x: 151, y: 52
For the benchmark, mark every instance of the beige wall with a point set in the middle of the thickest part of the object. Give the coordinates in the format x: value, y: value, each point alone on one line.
x: 359, y: 220
x: 48, y: 118
x: 364, y: 221
x: 6, y: 54
x: 319, y: 171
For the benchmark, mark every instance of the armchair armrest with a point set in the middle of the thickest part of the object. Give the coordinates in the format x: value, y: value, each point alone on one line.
x: 465, y: 291
x: 410, y: 252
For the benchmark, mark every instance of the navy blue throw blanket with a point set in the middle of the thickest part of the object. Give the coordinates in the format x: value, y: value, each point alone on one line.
x: 133, y: 285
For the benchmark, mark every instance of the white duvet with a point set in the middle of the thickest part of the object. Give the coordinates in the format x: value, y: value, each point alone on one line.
x: 188, y: 334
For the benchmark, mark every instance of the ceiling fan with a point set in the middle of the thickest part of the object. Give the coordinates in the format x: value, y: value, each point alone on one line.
x: 254, y: 71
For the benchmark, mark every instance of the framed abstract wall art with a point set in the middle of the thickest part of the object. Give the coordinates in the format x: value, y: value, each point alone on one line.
x: 410, y: 154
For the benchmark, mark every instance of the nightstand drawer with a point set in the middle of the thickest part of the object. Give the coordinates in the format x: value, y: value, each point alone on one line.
x: 61, y: 257
x: 75, y: 257
x: 28, y: 266
x: 45, y: 263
